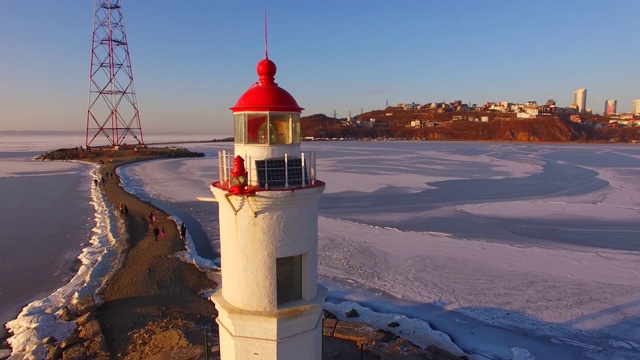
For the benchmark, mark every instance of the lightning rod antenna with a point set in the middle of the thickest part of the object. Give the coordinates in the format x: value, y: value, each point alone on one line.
x: 266, y: 44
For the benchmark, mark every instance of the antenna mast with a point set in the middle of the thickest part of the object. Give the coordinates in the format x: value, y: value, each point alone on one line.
x: 113, y: 108
x: 266, y: 44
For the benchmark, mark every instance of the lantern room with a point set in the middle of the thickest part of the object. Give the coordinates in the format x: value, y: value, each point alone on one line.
x: 266, y: 115
x: 267, y: 136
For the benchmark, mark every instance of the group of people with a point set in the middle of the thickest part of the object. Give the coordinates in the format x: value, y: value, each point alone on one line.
x: 161, y: 231
x: 108, y: 175
x: 152, y: 221
x: 157, y: 232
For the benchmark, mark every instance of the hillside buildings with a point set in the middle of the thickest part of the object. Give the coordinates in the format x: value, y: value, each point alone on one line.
x: 576, y: 112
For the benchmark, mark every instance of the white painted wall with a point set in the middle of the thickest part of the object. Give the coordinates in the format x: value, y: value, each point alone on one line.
x: 255, y: 230
x: 285, y: 224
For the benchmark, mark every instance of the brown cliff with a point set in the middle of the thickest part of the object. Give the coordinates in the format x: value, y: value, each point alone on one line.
x: 499, y: 127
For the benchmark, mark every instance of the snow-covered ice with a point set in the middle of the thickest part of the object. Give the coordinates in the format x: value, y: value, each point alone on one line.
x: 503, y: 251
x: 523, y: 251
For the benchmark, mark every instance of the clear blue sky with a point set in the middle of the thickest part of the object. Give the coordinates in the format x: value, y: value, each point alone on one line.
x: 192, y: 59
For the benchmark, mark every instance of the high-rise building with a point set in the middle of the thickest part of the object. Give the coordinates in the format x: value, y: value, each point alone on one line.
x: 610, y: 107
x: 580, y: 99
x: 636, y: 106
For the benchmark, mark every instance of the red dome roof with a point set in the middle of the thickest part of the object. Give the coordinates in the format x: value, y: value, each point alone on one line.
x: 266, y: 95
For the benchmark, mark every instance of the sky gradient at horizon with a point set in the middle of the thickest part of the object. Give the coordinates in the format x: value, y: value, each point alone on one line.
x: 193, y: 59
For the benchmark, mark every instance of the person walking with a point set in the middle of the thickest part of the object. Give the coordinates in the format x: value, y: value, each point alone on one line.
x: 156, y: 231
x: 162, y: 232
x: 183, y: 231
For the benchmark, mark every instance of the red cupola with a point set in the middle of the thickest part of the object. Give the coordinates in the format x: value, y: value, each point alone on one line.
x: 266, y: 95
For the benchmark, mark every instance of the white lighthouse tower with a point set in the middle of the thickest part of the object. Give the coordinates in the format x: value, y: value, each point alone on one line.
x: 270, y: 303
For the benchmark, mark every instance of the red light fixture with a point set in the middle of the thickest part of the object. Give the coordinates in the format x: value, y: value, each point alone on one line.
x: 238, y: 176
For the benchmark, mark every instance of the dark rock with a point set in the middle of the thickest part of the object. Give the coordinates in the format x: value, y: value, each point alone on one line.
x: 70, y: 341
x: 90, y: 330
x: 49, y: 340
x: 85, y: 318
x: 65, y: 314
x: 388, y: 334
x: 328, y: 315
x: 352, y: 314
x: 393, y: 324
x: 85, y: 305
x: 53, y: 351
x: 96, y: 348
x: 75, y: 352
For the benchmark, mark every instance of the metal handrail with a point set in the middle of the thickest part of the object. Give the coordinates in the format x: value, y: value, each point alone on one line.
x: 307, y: 175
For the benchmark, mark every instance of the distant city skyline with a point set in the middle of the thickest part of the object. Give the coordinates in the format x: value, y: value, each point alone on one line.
x: 192, y: 60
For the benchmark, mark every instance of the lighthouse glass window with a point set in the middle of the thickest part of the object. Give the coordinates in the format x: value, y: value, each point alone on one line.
x: 257, y: 129
x: 285, y: 126
x: 267, y: 128
x: 239, y: 128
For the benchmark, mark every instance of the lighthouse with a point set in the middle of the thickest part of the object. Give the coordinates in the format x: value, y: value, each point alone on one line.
x: 270, y: 302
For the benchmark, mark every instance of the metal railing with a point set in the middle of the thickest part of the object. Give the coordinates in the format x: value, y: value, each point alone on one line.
x: 272, y: 173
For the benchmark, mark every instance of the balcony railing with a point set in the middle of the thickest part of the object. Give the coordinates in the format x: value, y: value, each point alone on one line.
x: 272, y: 173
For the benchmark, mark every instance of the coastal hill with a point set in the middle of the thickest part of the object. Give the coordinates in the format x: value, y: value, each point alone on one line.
x: 394, y: 123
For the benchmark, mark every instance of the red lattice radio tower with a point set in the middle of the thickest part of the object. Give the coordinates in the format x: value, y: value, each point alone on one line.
x: 113, y: 108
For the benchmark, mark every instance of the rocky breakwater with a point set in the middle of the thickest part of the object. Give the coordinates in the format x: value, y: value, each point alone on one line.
x: 117, y: 154
x: 345, y: 339
x: 87, y: 342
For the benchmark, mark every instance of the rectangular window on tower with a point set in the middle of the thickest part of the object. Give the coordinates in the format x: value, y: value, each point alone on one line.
x: 289, y: 278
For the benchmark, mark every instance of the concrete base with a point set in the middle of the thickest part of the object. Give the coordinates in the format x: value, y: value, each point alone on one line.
x: 293, y: 331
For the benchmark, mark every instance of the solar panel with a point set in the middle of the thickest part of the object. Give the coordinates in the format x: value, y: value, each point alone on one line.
x: 278, y: 173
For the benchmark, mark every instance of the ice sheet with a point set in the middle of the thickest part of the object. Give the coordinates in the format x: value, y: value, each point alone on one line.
x: 463, y: 237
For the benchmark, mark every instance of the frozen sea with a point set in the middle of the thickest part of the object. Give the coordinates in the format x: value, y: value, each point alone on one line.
x: 498, y: 250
